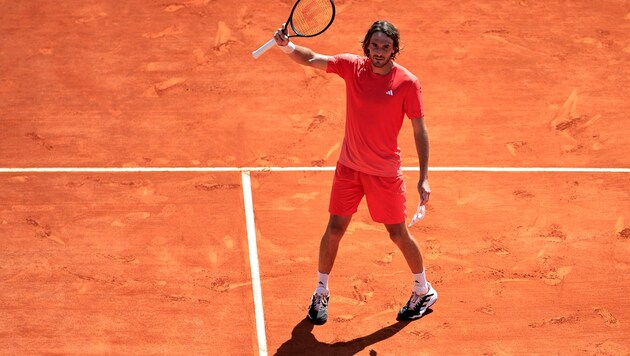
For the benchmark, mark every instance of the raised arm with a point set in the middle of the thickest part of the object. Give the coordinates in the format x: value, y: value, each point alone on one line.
x: 302, y: 55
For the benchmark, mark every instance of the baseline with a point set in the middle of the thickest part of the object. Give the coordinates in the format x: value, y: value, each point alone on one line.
x: 299, y: 169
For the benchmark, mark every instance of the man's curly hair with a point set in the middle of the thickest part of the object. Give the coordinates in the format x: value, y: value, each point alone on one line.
x: 388, y: 29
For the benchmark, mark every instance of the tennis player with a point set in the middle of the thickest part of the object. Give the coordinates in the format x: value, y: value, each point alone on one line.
x: 379, y: 93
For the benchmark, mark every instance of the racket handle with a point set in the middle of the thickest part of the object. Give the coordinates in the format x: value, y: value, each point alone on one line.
x: 257, y: 53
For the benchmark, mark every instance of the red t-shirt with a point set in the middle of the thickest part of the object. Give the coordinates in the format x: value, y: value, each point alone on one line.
x: 375, y: 109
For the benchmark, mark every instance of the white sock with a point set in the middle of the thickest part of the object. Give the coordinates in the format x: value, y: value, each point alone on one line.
x: 420, y: 283
x: 322, y: 283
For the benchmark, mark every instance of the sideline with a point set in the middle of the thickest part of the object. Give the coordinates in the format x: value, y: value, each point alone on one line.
x: 253, y: 263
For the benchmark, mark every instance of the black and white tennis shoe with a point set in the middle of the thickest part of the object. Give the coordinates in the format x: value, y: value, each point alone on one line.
x: 318, y: 310
x: 418, y: 304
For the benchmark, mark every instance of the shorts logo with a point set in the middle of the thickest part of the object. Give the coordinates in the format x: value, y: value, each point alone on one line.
x: 390, y: 92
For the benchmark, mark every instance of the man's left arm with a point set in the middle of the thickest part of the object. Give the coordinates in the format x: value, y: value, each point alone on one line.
x: 421, y: 137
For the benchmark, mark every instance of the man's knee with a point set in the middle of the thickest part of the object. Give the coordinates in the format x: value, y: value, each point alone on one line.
x: 397, y: 232
x: 336, y: 230
x: 337, y: 226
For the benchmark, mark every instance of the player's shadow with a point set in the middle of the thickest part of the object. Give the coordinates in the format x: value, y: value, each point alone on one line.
x: 303, y: 342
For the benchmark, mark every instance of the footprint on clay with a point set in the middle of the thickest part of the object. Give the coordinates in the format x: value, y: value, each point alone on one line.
x: 486, y: 310
x: 168, y: 210
x: 169, y: 83
x: 220, y: 284
x: 174, y: 7
x: 201, y: 57
x: 518, y: 147
x: 498, y: 248
x: 433, y: 248
x: 561, y: 320
x: 566, y: 112
x: 161, y: 87
x: 362, y: 288
x: 555, y: 233
x: 344, y: 318
x: 609, y: 319
x: 553, y: 278
x: 43, y: 231
x: 620, y: 228
x: 385, y: 260
x: 39, y: 140
x: 169, y: 31
x: 522, y: 194
x: 89, y: 14
x: 244, y: 19
x: 610, y: 348
x: 316, y: 121
x: 131, y: 218
x: 422, y: 334
x: 223, y: 38
x: 570, y: 126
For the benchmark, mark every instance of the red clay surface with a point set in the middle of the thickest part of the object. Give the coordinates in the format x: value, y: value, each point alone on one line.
x: 157, y: 263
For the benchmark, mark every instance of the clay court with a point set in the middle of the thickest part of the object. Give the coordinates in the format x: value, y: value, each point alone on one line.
x: 162, y: 192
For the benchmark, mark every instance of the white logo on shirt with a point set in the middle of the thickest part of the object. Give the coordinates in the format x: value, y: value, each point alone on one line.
x: 390, y: 92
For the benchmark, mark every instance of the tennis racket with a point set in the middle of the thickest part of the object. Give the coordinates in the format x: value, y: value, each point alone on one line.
x: 308, y: 18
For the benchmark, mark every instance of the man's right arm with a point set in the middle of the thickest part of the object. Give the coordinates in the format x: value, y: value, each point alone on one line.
x: 302, y: 55
x: 305, y: 56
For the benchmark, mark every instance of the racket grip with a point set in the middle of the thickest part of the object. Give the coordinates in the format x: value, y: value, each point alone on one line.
x: 257, y: 53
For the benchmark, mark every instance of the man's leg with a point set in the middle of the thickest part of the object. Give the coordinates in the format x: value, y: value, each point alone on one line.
x: 328, y: 247
x: 423, y: 295
x: 329, y: 244
x: 407, y: 245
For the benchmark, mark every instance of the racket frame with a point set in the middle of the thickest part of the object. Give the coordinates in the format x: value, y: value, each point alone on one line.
x: 264, y: 48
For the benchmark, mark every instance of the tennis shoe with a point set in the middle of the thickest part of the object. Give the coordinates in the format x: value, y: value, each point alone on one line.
x: 418, y: 304
x: 318, y: 310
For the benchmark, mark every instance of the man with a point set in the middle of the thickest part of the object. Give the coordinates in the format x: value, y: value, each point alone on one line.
x: 379, y: 93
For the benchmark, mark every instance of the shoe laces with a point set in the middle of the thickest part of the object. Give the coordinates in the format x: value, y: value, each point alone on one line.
x: 319, y: 301
x: 415, y: 300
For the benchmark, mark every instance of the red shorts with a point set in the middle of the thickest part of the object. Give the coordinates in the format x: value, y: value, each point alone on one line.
x: 386, y: 196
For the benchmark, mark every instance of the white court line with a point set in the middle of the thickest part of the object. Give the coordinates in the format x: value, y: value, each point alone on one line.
x: 253, y: 263
x: 299, y: 169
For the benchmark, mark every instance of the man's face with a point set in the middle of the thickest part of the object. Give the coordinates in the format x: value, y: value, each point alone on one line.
x: 381, y: 49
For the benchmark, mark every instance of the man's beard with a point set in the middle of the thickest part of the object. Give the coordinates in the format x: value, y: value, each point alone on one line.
x: 381, y: 61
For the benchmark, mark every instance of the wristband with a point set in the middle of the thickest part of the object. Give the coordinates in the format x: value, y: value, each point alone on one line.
x: 289, y: 48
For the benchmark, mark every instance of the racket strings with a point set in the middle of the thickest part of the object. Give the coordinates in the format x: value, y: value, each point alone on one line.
x: 311, y: 17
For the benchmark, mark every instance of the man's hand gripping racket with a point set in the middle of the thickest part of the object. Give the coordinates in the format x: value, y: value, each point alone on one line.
x: 308, y: 18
